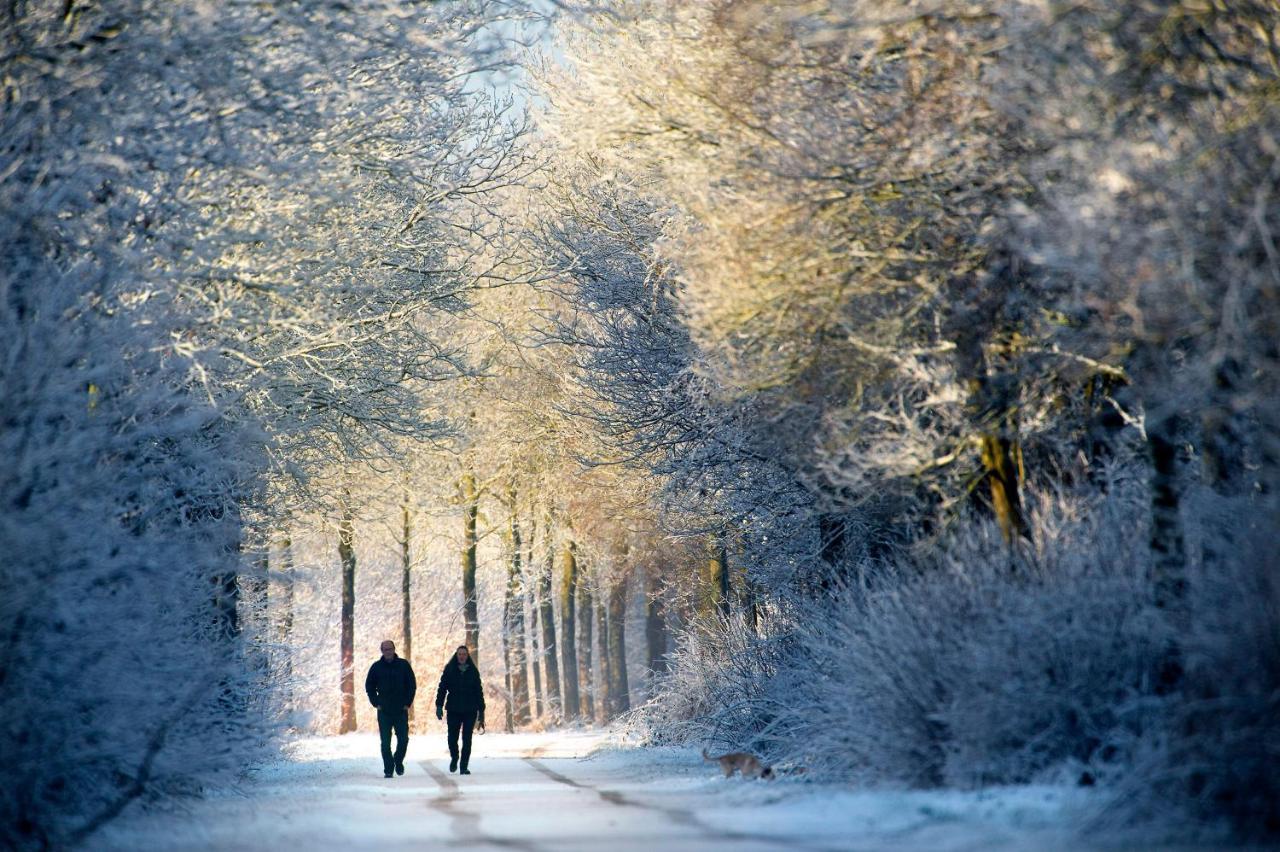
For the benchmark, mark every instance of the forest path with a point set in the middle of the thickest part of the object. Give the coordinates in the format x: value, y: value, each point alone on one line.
x: 540, y: 793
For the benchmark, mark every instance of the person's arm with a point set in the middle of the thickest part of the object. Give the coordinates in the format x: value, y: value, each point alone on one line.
x: 480, y: 687
x: 370, y: 687
x: 440, y: 691
x: 413, y: 684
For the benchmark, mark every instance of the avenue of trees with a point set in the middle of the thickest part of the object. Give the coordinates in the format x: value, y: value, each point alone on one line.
x: 885, y: 387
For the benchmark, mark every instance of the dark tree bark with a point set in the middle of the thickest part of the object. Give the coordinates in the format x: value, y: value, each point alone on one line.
x: 548, y: 619
x: 750, y: 604
x: 406, y: 567
x: 619, y: 694
x: 604, y: 682
x: 226, y: 605
x: 655, y: 624
x: 284, y: 628
x: 568, y: 644
x: 257, y: 617
x: 470, y: 606
x: 1168, y: 543
x: 982, y: 357
x: 1168, y: 547
x: 1002, y: 480
x: 513, y: 627
x: 347, y: 555
x: 586, y: 691
x: 1224, y: 462
x: 535, y: 625
x: 509, y: 713
x: 718, y: 576
x: 1223, y: 432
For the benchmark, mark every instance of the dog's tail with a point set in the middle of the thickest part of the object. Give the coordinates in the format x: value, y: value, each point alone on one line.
x: 706, y: 756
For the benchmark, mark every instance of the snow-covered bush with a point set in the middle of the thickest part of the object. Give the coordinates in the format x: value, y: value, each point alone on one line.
x: 967, y: 665
x: 976, y: 668
x: 173, y: 303
x: 723, y: 689
x: 118, y: 478
x: 119, y: 531
x: 1214, y: 758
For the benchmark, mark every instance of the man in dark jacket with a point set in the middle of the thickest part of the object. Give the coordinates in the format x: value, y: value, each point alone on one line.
x: 391, y: 686
x: 460, y: 681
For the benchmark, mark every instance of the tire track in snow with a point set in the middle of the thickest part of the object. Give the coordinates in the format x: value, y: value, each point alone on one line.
x: 466, y: 824
x: 677, y: 815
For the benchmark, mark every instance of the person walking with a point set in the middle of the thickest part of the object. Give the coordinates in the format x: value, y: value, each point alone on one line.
x: 391, y: 687
x: 460, y: 682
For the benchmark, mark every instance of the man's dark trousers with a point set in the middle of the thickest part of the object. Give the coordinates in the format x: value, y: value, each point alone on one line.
x: 397, y: 718
x: 466, y: 723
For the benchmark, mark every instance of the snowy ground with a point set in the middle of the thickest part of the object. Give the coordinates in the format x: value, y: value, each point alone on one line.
x: 570, y: 791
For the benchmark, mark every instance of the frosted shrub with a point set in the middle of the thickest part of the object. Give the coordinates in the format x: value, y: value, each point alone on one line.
x: 1056, y: 673
x: 1216, y: 755
x: 966, y: 665
x: 975, y: 668
x: 120, y: 680
x: 726, y: 687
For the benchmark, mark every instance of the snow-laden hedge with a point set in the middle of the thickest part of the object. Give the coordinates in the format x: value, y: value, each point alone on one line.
x: 966, y: 667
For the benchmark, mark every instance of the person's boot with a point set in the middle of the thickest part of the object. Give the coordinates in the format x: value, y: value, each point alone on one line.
x: 386, y: 773
x: 453, y: 765
x: 464, y: 771
x: 399, y: 768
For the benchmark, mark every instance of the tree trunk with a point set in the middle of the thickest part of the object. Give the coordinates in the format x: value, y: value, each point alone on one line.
x: 257, y: 617
x: 718, y: 577
x: 406, y: 566
x: 253, y: 597
x: 1168, y: 548
x: 535, y: 626
x: 470, y: 608
x: 513, y: 628
x: 605, y: 681
x: 1223, y: 432
x: 1224, y: 467
x: 284, y: 629
x: 655, y: 624
x: 347, y: 555
x: 226, y: 605
x: 619, y: 694
x: 548, y: 618
x: 509, y: 715
x: 1002, y: 479
x: 750, y: 604
x: 1168, y: 545
x: 992, y: 409
x: 568, y: 643
x: 586, y: 691
x: 232, y: 696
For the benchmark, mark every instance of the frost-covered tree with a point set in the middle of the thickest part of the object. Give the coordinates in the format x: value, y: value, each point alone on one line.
x: 820, y: 219
x: 224, y: 264
x: 937, y: 270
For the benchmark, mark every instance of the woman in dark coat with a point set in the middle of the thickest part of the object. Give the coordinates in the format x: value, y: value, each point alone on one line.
x: 460, y: 682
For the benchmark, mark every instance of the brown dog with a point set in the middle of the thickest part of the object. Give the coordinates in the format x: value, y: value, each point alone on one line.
x: 746, y: 765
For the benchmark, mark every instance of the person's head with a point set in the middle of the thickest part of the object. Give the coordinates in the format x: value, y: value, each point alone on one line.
x: 388, y: 649
x: 462, y: 655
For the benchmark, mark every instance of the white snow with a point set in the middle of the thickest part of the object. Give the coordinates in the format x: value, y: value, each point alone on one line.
x: 577, y: 791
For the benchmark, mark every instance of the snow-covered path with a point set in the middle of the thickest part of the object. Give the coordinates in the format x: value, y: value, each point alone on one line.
x: 539, y: 792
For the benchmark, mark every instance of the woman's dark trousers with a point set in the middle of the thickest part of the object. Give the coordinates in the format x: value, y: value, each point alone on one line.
x: 397, y: 718
x: 466, y: 723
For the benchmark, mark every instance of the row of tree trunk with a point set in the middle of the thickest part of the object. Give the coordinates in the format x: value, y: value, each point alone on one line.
x: 581, y: 674
x: 579, y: 671
x: 576, y: 673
